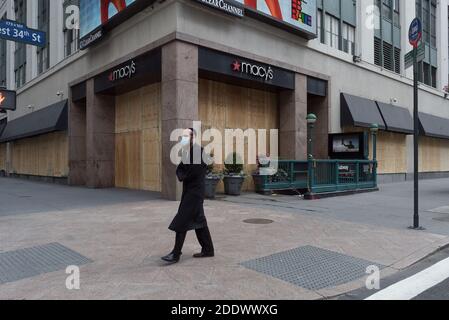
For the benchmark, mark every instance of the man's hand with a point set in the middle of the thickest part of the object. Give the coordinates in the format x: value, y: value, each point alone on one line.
x: 2, y: 98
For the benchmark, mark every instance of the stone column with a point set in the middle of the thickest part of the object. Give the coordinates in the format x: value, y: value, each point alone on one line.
x: 77, y: 143
x: 100, y: 139
x: 293, y: 124
x: 179, y: 105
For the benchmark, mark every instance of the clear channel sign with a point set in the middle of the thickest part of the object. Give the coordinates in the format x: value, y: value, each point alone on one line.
x: 14, y: 31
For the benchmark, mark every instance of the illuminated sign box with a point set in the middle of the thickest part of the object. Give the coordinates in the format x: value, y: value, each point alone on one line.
x: 97, y: 17
x: 7, y: 100
x: 297, y: 16
x: 292, y: 15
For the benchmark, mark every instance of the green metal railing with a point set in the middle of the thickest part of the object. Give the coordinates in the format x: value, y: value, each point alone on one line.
x: 320, y: 176
x: 342, y: 175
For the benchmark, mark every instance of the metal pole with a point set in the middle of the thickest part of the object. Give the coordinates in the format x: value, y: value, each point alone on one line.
x: 310, y: 154
x: 416, y: 224
x: 311, y: 119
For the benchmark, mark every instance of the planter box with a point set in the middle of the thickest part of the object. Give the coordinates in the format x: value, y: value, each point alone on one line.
x: 211, y: 187
x: 233, y: 185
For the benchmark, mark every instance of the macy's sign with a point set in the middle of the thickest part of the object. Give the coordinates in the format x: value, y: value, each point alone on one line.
x: 123, y: 72
x: 266, y: 73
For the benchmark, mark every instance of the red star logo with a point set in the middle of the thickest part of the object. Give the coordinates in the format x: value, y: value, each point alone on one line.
x: 236, y: 66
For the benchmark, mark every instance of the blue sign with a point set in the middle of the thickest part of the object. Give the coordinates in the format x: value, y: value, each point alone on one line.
x: 14, y: 31
x: 415, y: 32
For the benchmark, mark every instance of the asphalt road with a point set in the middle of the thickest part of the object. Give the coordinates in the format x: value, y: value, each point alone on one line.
x: 437, y: 292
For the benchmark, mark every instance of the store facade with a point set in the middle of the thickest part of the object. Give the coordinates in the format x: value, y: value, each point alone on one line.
x: 121, y: 120
x: 160, y: 66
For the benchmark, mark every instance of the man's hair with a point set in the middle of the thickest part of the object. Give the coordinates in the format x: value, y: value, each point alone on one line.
x: 193, y: 131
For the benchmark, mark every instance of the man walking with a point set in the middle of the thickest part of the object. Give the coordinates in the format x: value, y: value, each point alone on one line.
x: 192, y: 173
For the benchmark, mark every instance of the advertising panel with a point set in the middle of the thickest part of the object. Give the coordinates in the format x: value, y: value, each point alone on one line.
x: 348, y: 146
x: 299, y: 14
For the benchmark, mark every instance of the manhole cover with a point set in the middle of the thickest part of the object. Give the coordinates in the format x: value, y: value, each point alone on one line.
x: 258, y: 221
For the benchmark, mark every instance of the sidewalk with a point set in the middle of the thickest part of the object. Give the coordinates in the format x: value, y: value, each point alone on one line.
x: 125, y: 233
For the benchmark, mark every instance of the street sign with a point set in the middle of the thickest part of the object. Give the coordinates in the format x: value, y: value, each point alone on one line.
x: 415, y: 32
x: 421, y: 55
x: 7, y: 100
x: 14, y: 31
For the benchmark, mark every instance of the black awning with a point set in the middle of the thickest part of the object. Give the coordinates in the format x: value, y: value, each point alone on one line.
x: 397, y: 119
x: 359, y: 112
x: 2, y: 125
x: 49, y: 119
x: 433, y: 126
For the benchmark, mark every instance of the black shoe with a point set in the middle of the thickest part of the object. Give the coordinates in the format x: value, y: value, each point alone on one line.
x: 204, y: 255
x: 172, y: 258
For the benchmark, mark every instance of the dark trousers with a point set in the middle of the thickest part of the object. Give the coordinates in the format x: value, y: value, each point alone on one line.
x: 204, y: 238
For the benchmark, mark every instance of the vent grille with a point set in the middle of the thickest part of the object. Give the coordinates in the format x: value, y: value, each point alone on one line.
x: 377, y: 52
x: 388, y: 56
x: 397, y: 60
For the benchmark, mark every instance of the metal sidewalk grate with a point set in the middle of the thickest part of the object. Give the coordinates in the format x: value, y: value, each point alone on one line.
x: 311, y: 267
x: 30, y: 262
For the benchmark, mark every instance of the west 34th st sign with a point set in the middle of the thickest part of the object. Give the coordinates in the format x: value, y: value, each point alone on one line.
x: 14, y: 31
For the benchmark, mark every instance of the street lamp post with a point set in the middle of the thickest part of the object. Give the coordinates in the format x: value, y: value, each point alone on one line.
x: 311, y: 120
x: 374, y: 130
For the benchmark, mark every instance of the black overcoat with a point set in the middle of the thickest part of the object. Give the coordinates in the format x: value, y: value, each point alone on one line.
x: 191, y: 211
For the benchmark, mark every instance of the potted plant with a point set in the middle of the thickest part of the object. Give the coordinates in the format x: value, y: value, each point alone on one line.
x: 212, y: 180
x: 233, y: 175
x: 260, y: 176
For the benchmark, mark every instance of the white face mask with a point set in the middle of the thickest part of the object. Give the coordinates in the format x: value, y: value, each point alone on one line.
x: 185, y: 142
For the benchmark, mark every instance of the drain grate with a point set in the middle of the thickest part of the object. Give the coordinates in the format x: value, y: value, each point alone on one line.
x: 311, y: 267
x: 30, y: 262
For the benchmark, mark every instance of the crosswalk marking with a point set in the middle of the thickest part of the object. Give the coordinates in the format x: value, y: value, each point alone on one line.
x: 410, y: 288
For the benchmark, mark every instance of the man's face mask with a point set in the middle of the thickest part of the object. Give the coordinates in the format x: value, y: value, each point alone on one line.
x: 185, y: 142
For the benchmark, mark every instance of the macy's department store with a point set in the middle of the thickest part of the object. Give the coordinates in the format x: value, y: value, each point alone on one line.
x: 159, y: 67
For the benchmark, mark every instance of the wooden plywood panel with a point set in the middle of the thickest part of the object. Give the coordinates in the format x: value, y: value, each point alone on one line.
x: 224, y: 106
x: 45, y: 155
x: 138, y: 135
x: 2, y: 156
x: 434, y: 154
x: 391, y: 150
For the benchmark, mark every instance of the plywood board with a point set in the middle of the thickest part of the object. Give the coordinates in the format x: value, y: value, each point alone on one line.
x: 434, y: 155
x: 391, y: 150
x: 223, y: 106
x: 2, y: 156
x: 138, y: 139
x: 45, y: 155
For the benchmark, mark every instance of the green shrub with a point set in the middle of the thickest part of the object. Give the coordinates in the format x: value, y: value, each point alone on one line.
x: 233, y: 165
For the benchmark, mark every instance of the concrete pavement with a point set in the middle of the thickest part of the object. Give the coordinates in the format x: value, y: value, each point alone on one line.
x: 125, y: 234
